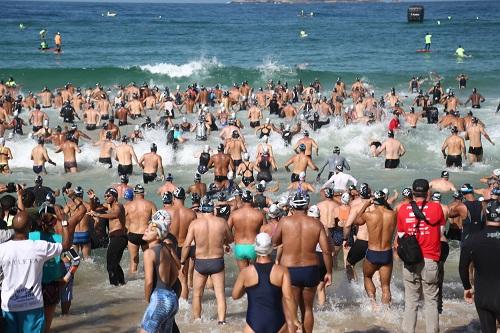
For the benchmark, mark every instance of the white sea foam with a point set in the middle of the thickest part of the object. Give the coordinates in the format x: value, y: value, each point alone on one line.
x: 183, y: 70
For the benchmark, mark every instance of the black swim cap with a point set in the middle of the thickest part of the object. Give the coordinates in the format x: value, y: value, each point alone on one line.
x: 493, y: 211
x: 365, y: 191
x: 328, y: 192
x: 247, y: 196
x: 379, y: 198
x: 180, y: 193
x: 390, y: 134
x: 167, y: 198
x: 299, y: 201
x: 195, y: 198
x: 445, y: 174
x: 207, y: 205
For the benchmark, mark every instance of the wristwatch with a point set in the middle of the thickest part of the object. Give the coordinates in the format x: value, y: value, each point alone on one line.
x: 64, y: 223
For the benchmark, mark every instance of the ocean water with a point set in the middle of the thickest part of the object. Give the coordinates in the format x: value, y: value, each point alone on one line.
x: 170, y: 44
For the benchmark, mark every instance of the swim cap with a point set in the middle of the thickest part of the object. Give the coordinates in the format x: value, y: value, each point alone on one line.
x: 339, y: 167
x: 263, y: 244
x: 129, y: 194
x: 235, y: 134
x: 390, y: 134
x: 495, y: 191
x: 154, y: 147
x: 336, y: 150
x: 283, y: 202
x: 207, y: 205
x: 302, y: 147
x: 124, y: 178
x: 180, y: 193
x: 109, y: 135
x: 306, y: 133
x: 139, y: 189
x: 365, y: 191
x: 466, y: 188
x: 237, y: 192
x: 247, y: 196
x: 496, y: 172
x: 246, y: 157
x: 379, y: 198
x: 78, y: 191
x: 313, y: 211
x: 161, y: 219
x: 274, y: 211
x: 454, y: 129
x: 345, y: 198
x: 457, y: 195
x: 112, y: 192
x: 352, y: 188
x: 125, y: 138
x: 223, y: 211
x: 493, y: 211
x: 197, y: 177
x: 195, y: 198
x: 50, y: 198
x: 299, y: 201
x: 436, y: 196
x: 38, y: 180
x: 167, y: 198
x: 169, y: 177
x: 220, y: 148
x: 407, y: 192
x: 475, y: 120
x: 137, y: 128
x: 221, y: 196
x: 230, y: 175
x: 328, y: 192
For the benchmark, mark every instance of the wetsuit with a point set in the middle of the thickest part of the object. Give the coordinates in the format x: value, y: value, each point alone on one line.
x: 474, y: 221
x: 479, y: 249
x: 18, y: 125
x: 265, y: 308
x: 265, y: 169
x: 414, y: 86
x: 432, y: 114
x: 436, y: 95
x: 274, y: 107
x: 462, y: 83
x: 67, y: 113
x: 203, y: 163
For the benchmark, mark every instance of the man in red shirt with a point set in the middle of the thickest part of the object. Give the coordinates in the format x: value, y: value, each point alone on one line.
x: 394, y: 123
x: 422, y: 279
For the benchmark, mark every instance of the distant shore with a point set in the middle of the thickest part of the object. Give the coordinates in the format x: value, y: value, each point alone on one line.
x: 302, y: 1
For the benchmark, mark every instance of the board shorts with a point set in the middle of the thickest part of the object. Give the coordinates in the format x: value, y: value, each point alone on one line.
x: 357, y: 252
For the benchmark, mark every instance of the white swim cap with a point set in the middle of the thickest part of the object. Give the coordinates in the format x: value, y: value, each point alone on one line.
x: 137, y: 127
x: 313, y: 211
x: 246, y: 156
x: 274, y: 211
x: 206, y: 149
x: 16, y: 113
x: 268, y: 120
x: 263, y: 244
x: 161, y: 219
x: 184, y: 119
x: 496, y: 172
x: 46, y: 122
x: 345, y: 198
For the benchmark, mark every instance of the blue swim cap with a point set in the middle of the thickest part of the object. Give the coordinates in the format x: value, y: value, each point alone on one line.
x: 129, y: 194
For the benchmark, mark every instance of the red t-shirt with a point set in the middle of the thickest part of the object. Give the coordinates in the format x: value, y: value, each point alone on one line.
x: 429, y: 236
x: 393, y: 124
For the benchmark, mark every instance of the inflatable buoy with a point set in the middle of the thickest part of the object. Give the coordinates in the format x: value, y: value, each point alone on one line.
x: 303, y: 34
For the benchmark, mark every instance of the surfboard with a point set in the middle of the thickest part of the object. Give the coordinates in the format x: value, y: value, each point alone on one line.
x: 423, y: 51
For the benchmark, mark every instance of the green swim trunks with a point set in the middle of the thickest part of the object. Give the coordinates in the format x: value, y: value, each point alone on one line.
x: 245, y: 252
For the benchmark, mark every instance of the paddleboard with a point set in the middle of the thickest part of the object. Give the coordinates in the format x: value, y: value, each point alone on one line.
x: 423, y: 51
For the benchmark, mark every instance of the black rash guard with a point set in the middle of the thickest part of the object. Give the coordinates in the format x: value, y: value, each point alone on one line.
x: 482, y: 249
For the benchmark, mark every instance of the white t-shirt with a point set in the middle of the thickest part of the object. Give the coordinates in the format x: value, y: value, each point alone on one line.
x: 340, y: 181
x: 22, y: 265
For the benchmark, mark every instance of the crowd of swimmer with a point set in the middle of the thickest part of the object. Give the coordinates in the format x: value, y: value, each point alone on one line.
x: 290, y: 231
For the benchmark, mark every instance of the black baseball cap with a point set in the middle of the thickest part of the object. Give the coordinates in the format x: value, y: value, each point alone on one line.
x: 420, y: 185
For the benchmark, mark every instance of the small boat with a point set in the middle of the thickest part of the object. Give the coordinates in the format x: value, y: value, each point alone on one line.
x: 111, y: 14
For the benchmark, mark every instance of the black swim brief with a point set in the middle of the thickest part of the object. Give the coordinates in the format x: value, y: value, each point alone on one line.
x: 209, y: 266
x: 236, y: 163
x: 391, y: 163
x: 306, y: 276
x: 136, y: 239
x: 37, y: 169
x: 192, y: 251
x: 357, y: 252
x: 125, y: 169
x: 220, y: 178
x: 69, y: 165
x: 254, y: 124
x: 294, y: 177
x: 37, y: 128
x: 122, y: 123
x: 148, y: 177
x: 106, y: 160
x: 91, y: 127
x: 379, y: 257
x: 454, y: 160
x: 476, y: 150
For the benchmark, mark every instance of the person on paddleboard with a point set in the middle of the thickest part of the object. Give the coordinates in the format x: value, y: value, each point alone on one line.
x: 428, y: 37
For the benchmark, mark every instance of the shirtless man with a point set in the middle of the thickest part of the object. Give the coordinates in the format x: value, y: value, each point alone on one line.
x: 150, y: 102
x: 92, y: 118
x: 151, y: 163
x: 453, y: 148
x: 107, y: 147
x: 179, y: 228
x: 473, y: 134
x: 210, y: 234
x: 123, y: 186
x: 77, y: 208
x: 138, y: 213
x: 254, y: 115
x: 39, y: 156
x: 135, y: 107
x: 228, y: 130
x: 36, y: 118
x: 124, y: 155
x: 117, y: 236
x: 69, y: 149
x: 246, y: 222
x: 327, y: 209
x: 103, y: 107
x: 169, y: 186
x: 4, y: 115
x: 122, y: 114
x: 198, y: 187
x: 380, y: 223
x: 300, y: 163
x: 299, y: 234
x: 289, y: 111
x: 46, y: 98
x: 56, y: 138
x: 5, y: 156
x: 222, y: 164
x: 235, y: 147
x: 412, y: 118
x: 393, y: 151
x: 309, y: 143
x: 476, y: 99
x: 442, y: 184
x: 358, y: 249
